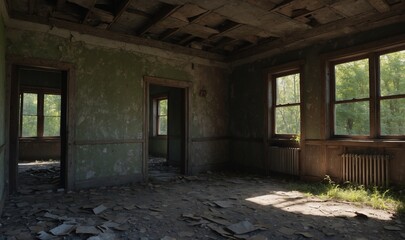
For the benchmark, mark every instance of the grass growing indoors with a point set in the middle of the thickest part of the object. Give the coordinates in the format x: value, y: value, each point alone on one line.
x: 379, y: 198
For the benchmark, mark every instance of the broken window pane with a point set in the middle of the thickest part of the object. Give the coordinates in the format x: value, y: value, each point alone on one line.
x: 352, y: 80
x: 352, y: 118
x: 29, y: 115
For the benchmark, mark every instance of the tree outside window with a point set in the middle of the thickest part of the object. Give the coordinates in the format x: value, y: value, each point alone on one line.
x: 40, y: 114
x: 368, y: 95
x: 286, y: 103
x: 161, y: 118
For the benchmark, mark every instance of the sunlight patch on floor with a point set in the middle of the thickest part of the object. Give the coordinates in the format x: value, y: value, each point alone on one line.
x: 293, y: 201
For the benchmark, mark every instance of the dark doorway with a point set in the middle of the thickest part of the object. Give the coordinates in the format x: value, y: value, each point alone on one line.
x: 37, y: 129
x: 166, y: 117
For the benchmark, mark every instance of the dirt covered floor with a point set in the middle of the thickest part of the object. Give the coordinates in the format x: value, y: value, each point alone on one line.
x: 209, y: 206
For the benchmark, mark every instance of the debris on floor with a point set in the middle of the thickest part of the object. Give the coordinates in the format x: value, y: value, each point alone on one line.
x: 211, y: 206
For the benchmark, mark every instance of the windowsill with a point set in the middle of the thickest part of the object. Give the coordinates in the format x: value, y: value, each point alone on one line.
x: 39, y: 139
x: 160, y: 136
x: 283, y: 142
x: 358, y: 142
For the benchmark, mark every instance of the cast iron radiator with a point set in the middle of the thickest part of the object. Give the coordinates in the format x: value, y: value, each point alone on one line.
x: 366, y: 169
x: 284, y: 160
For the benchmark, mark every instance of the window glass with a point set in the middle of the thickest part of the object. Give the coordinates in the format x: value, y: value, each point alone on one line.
x: 352, y: 80
x: 288, y: 120
x: 352, y: 118
x: 52, y: 111
x: 162, y: 116
x: 29, y: 115
x: 392, y: 116
x: 287, y: 104
x: 288, y: 89
x: 392, y: 73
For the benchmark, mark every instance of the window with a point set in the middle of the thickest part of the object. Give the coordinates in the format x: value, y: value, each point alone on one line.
x: 286, y: 103
x: 161, y: 117
x: 368, y: 95
x: 40, y: 114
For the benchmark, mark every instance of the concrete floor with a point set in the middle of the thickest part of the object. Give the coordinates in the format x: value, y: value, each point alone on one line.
x: 212, y: 206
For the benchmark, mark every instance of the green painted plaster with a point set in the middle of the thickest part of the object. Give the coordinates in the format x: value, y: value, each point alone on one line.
x: 108, y: 160
x: 109, y: 98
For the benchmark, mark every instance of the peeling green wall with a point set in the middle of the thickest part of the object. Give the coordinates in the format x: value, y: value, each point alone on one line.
x: 109, y: 100
x: 2, y: 108
x: 247, y: 95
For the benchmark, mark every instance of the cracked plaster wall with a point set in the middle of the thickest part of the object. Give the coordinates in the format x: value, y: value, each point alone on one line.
x: 109, y: 100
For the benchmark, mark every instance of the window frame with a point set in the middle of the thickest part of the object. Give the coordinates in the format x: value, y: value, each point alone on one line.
x: 41, y: 92
x: 374, y: 99
x: 272, y: 75
x: 156, y: 114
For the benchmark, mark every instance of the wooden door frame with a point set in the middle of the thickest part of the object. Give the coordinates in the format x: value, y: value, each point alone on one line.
x: 12, y: 93
x: 185, y: 86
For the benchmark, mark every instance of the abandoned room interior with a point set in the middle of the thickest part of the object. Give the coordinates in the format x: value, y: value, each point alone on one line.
x: 187, y: 119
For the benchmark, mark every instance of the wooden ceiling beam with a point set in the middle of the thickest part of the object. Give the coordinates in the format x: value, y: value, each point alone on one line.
x: 138, y: 12
x: 380, y: 5
x: 175, y: 30
x: 89, y: 11
x: 162, y: 15
x: 301, y: 39
x: 119, y: 11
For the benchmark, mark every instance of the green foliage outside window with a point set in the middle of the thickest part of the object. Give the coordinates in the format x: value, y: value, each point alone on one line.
x: 29, y: 115
x: 287, y: 111
x: 162, y: 116
x: 51, y: 108
x: 51, y: 115
x: 352, y: 96
x: 392, y: 75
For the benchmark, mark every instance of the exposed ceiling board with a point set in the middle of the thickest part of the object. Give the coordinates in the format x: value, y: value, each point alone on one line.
x: 149, y: 6
x: 245, y: 32
x: 380, y: 5
x: 279, y: 25
x: 199, y: 31
x: 351, y: 8
x: 242, y: 12
x: 83, y: 3
x: 299, y: 7
x: 322, y: 16
x: 220, y: 26
x: 212, y: 20
x: 206, y: 4
x: 171, y: 22
x: 264, y: 4
x: 128, y: 22
x: 188, y: 11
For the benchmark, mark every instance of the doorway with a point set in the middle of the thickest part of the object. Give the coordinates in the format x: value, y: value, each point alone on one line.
x: 167, y: 131
x: 38, y: 129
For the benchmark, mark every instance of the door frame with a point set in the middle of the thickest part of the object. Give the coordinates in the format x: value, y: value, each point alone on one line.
x: 67, y: 136
x: 185, y: 86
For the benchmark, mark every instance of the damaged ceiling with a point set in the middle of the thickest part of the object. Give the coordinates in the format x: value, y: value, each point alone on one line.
x: 221, y: 27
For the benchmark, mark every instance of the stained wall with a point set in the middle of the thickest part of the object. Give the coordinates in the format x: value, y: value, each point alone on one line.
x: 109, y: 103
